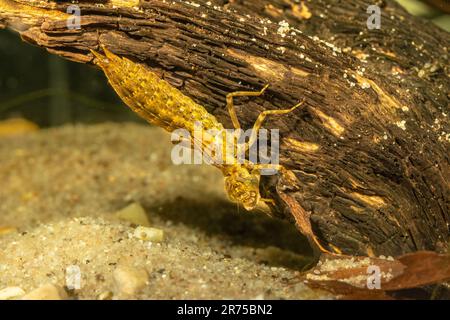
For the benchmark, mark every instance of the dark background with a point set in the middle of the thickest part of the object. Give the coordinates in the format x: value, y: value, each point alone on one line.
x: 50, y: 90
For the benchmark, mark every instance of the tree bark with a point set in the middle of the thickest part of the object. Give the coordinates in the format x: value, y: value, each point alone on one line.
x: 368, y: 155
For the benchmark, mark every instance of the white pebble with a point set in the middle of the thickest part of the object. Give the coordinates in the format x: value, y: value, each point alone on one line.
x: 401, y: 124
x: 149, y: 234
x: 46, y: 292
x: 11, y: 293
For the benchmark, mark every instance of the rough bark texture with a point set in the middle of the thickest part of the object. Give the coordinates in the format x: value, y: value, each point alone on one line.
x: 369, y: 152
x: 443, y: 5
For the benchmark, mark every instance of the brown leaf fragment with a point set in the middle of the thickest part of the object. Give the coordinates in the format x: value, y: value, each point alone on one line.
x: 421, y: 268
x: 354, y: 271
x: 351, y: 277
x: 346, y: 291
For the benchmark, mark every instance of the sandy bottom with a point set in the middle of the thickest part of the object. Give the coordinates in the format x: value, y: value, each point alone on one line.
x: 60, y: 189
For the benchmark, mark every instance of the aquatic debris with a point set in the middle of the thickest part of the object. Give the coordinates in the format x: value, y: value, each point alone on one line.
x: 106, y: 295
x: 7, y: 230
x: 149, y: 234
x: 129, y: 280
x: 16, y: 126
x: 135, y: 214
x: 283, y: 29
x: 401, y: 124
x: 11, y: 293
x: 355, y: 277
x: 301, y: 11
x: 46, y: 292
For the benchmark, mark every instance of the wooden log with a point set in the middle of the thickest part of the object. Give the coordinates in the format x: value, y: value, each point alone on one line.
x: 368, y: 154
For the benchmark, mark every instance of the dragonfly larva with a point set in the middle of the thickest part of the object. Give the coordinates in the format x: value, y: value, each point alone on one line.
x: 159, y: 103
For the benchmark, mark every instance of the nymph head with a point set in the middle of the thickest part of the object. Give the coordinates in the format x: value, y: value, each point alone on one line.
x: 242, y: 186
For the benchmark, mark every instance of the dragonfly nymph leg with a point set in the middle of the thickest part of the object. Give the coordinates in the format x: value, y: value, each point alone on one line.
x: 268, y: 200
x: 262, y: 116
x: 230, y: 104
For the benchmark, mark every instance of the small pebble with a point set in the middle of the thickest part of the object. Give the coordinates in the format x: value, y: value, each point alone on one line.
x: 107, y: 295
x: 128, y: 280
x: 149, y: 234
x: 46, y: 292
x: 11, y: 293
x: 134, y: 213
x: 7, y: 230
